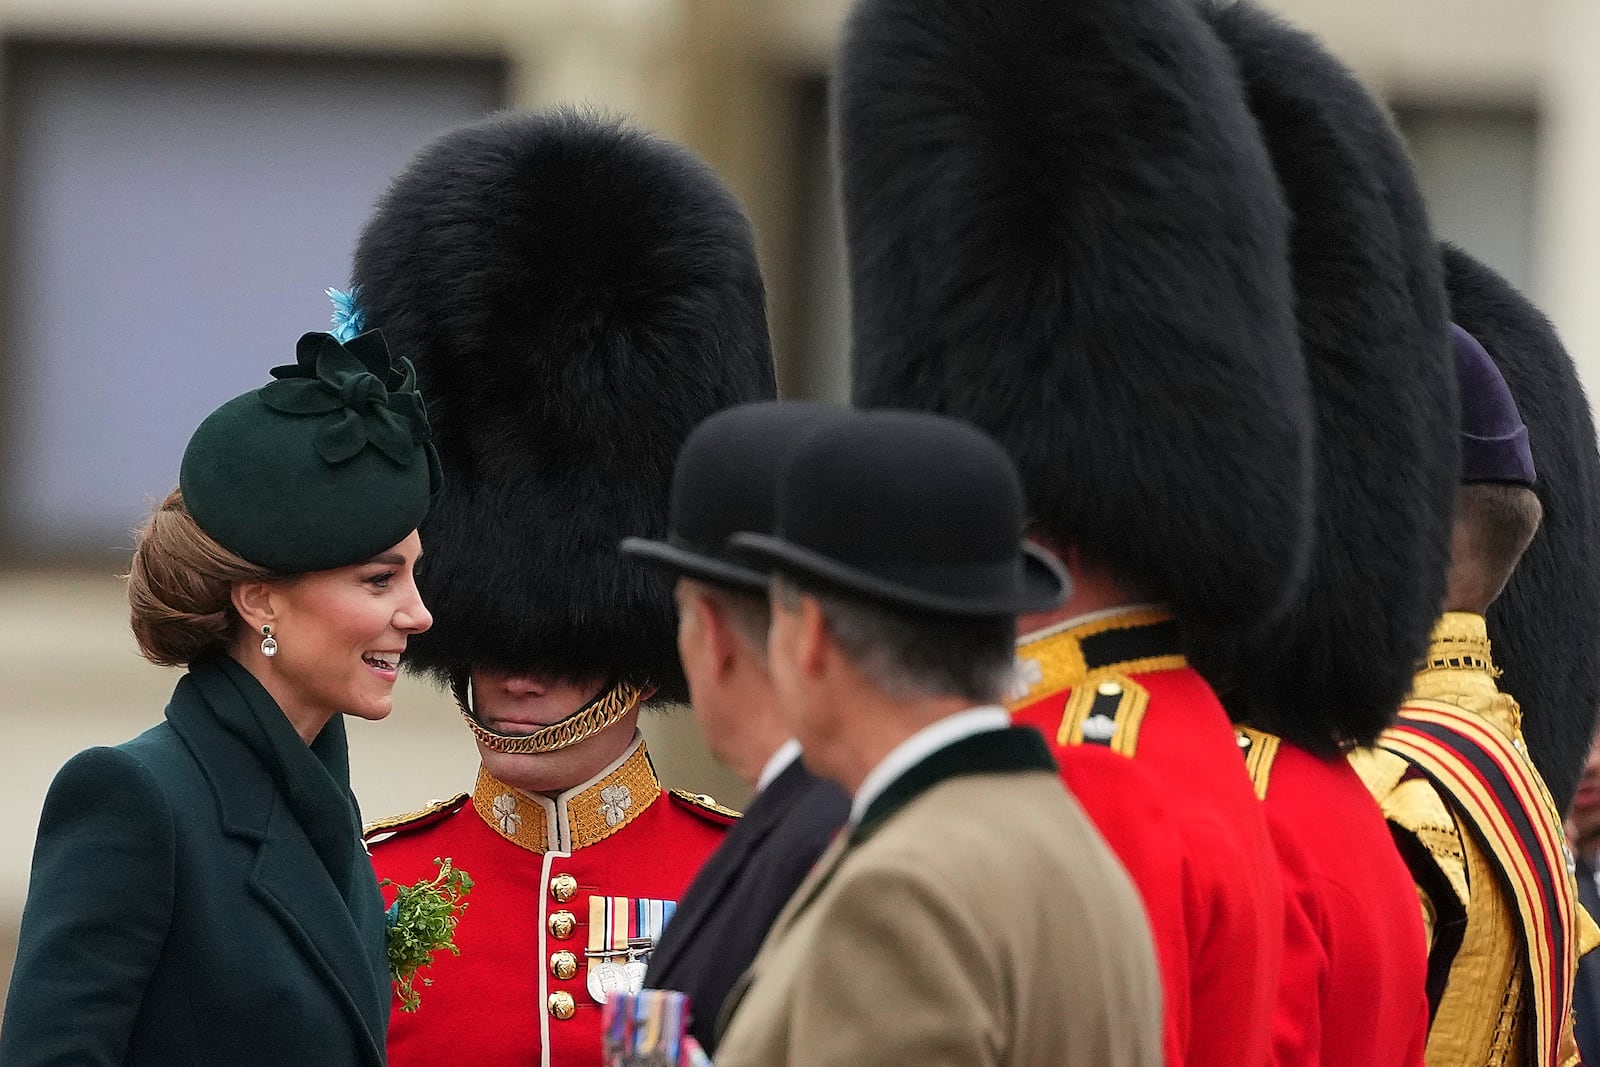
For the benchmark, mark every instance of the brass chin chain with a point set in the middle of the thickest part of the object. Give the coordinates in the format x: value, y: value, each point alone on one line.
x: 598, y: 714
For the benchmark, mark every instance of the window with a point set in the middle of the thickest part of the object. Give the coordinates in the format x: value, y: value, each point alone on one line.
x: 172, y: 219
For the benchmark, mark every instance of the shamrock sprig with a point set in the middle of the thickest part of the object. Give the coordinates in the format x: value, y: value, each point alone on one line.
x: 422, y: 922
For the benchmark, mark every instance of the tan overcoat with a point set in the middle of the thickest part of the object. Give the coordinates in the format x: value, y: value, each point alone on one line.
x: 982, y: 922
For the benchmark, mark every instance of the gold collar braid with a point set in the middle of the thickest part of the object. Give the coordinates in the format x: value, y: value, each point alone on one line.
x: 1460, y: 642
x: 604, y: 710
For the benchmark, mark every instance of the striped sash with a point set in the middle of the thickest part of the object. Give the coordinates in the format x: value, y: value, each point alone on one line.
x: 1495, y: 787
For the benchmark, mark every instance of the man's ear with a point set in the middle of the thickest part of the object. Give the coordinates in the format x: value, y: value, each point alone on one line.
x: 253, y: 600
x: 813, y: 640
x: 720, y: 639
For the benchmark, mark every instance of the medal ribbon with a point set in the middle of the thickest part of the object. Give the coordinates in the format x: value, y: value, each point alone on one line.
x: 622, y: 932
x: 608, y: 926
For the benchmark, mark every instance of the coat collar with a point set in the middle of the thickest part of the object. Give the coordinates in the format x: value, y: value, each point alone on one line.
x: 1126, y: 640
x: 288, y: 877
x: 1017, y: 748
x: 1460, y: 670
x: 582, y: 816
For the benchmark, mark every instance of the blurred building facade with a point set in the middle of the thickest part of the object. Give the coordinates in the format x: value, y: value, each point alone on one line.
x: 183, y: 177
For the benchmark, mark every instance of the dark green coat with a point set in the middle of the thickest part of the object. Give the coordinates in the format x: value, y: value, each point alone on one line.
x: 177, y: 914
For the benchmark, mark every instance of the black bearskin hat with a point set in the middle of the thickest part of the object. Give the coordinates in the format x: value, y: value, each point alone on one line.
x: 1063, y: 227
x: 1374, y: 332
x: 1545, y: 626
x: 576, y: 295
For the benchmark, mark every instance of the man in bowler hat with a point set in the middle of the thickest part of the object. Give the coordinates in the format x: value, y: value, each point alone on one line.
x: 725, y: 481
x: 971, y: 914
x: 1062, y: 227
x: 1372, y: 330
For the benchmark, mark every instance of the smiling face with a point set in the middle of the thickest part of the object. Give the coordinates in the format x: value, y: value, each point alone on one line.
x: 523, y: 704
x: 340, y: 634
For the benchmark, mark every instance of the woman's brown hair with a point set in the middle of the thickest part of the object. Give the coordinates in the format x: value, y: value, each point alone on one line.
x: 180, y: 588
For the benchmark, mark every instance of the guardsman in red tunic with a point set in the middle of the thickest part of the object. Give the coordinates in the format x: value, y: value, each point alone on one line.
x: 1147, y: 748
x: 577, y: 295
x: 1370, y: 304
x: 1063, y: 226
x: 1483, y: 835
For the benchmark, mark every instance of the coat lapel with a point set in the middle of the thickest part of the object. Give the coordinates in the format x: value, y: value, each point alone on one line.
x: 713, y: 882
x: 1015, y: 748
x: 288, y: 878
x: 819, y: 877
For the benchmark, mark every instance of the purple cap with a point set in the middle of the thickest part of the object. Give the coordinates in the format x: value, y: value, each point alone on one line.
x: 1494, y: 441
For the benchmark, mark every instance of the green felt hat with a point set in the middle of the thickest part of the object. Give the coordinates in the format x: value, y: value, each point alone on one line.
x: 328, y: 465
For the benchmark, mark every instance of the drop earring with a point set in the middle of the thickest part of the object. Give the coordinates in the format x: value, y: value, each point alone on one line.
x: 269, y: 644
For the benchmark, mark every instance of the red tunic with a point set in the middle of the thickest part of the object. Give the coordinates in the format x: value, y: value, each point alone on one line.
x: 1355, y: 962
x: 1147, y: 749
x: 535, y: 864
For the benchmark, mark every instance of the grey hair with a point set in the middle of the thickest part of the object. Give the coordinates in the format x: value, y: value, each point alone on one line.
x: 915, y: 656
x: 748, y: 615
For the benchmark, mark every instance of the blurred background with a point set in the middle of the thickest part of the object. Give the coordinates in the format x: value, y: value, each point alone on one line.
x: 180, y: 179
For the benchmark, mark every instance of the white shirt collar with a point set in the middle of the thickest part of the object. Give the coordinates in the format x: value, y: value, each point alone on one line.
x: 922, y: 744
x: 777, y: 763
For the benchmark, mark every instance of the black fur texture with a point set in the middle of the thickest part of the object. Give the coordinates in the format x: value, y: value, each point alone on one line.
x: 1062, y: 226
x: 577, y: 295
x: 1374, y: 333
x: 1546, y: 625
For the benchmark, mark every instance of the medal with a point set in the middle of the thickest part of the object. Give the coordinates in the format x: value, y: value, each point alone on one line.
x: 606, y: 978
x: 622, y: 934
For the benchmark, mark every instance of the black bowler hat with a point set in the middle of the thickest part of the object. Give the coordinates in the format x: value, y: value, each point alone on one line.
x: 725, y: 482
x: 911, y: 510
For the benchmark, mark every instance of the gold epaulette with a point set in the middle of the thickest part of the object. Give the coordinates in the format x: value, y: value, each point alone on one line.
x: 1105, y: 710
x: 1260, y: 750
x: 706, y: 807
x: 1588, y: 932
x: 414, y: 819
x: 1414, y: 805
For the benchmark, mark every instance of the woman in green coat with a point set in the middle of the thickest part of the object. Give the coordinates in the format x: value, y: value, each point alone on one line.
x: 199, y: 894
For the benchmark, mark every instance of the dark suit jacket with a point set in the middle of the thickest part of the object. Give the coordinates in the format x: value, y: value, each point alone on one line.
x: 178, y: 915
x: 722, y: 919
x: 1586, y: 991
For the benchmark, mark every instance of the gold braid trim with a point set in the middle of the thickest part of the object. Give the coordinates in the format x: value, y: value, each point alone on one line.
x: 1260, y: 750
x: 601, y: 712
x: 1460, y: 652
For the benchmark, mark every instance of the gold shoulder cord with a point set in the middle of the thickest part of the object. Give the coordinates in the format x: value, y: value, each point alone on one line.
x: 397, y: 822
x: 706, y: 802
x: 1259, y: 749
x: 600, y: 713
x: 1106, y: 712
